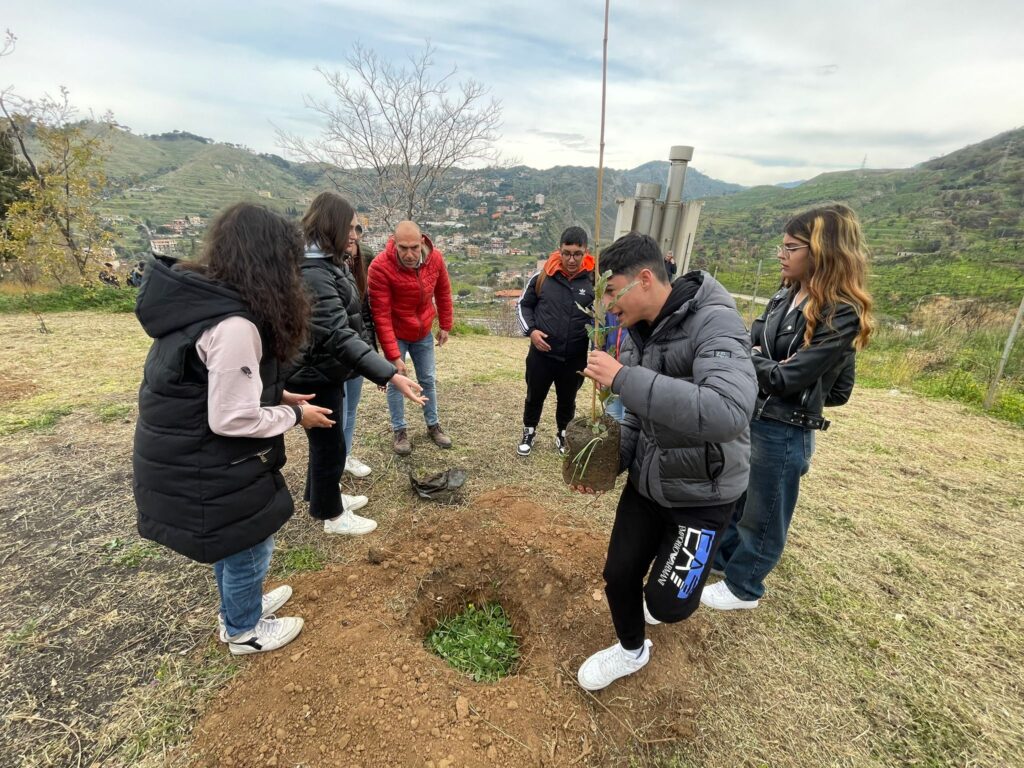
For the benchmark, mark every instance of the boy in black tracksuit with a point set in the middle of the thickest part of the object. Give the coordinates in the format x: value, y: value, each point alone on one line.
x: 558, y: 334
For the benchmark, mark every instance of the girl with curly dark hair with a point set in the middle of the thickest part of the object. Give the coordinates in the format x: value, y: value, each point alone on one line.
x: 209, y: 441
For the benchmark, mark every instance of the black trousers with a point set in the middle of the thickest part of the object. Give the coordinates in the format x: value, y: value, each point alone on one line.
x: 542, y: 371
x: 326, y: 455
x: 681, y: 544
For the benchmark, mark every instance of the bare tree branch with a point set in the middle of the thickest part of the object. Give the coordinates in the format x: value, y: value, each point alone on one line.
x: 393, y: 132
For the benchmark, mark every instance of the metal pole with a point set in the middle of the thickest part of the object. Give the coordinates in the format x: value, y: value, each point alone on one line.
x: 757, y: 283
x: 598, y: 321
x: 994, y: 386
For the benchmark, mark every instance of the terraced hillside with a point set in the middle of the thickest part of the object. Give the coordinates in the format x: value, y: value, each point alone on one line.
x: 951, y: 226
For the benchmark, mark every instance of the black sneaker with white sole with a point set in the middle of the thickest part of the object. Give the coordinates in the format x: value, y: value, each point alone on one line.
x: 560, y: 443
x: 526, y: 444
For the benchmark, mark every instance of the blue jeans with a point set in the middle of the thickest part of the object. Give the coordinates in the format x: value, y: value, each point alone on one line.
x: 353, y: 391
x: 422, y: 354
x: 240, y: 583
x: 780, y: 454
x: 616, y: 410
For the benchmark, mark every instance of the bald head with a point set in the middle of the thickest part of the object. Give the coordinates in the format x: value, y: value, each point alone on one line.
x: 409, y: 244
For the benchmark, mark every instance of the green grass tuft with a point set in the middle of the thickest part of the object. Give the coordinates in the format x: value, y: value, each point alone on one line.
x: 297, y: 560
x: 478, y: 642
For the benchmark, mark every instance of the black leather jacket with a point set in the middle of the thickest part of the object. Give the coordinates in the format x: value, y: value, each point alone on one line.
x: 814, y: 376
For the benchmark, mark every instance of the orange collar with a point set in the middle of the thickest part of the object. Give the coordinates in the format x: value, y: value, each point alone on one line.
x: 554, y: 264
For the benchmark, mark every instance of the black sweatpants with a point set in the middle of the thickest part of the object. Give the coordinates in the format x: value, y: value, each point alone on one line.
x: 542, y: 371
x: 681, y: 544
x: 326, y: 455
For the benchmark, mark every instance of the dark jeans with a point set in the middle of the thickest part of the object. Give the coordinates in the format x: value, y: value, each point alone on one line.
x: 542, y: 371
x: 326, y: 456
x: 680, y: 541
x: 780, y: 454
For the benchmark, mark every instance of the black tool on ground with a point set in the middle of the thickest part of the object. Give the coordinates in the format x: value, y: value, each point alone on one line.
x: 443, y: 486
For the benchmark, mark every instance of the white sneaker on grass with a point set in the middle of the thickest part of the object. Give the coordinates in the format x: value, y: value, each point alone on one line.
x: 719, y: 597
x: 352, y: 503
x: 273, y: 601
x: 648, y: 617
x: 355, y: 467
x: 350, y: 524
x: 605, y: 667
x: 269, y: 634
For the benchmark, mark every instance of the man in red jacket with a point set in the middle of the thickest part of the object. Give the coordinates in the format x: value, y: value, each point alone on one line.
x: 405, y: 282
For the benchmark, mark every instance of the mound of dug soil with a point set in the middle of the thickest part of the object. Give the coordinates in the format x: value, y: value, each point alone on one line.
x: 359, y: 688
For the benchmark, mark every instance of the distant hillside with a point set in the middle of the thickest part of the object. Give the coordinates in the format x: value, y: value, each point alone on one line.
x: 159, y: 178
x: 951, y: 226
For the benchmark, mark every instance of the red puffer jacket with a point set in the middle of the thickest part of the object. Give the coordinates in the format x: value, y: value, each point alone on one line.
x: 402, y: 299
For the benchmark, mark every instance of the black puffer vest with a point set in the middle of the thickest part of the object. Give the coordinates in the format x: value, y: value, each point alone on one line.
x: 203, y: 495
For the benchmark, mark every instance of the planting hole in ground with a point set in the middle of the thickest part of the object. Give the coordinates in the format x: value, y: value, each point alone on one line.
x: 478, y: 641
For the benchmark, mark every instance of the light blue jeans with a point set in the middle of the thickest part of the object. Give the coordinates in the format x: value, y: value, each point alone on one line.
x: 353, y: 391
x: 422, y: 354
x: 240, y: 583
x: 780, y: 454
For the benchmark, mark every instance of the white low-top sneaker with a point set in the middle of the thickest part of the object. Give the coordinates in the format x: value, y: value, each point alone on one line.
x: 605, y: 667
x: 352, y: 503
x: 355, y: 467
x: 350, y: 524
x: 648, y: 617
x: 719, y: 597
x: 273, y: 601
x: 270, y: 634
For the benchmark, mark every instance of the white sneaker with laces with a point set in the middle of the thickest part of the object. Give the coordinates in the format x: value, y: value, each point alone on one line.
x: 648, y: 617
x: 270, y: 634
x: 352, y: 503
x: 355, y: 467
x: 560, y: 442
x: 273, y: 601
x: 719, y: 597
x: 605, y: 667
x: 526, y: 444
x: 350, y: 524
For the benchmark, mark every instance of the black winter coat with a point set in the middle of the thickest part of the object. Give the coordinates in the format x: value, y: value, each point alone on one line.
x: 554, y: 311
x: 815, y: 376
x: 203, y: 495
x: 335, y: 351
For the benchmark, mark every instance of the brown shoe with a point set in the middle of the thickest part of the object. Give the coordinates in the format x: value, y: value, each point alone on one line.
x: 441, y: 440
x: 402, y: 445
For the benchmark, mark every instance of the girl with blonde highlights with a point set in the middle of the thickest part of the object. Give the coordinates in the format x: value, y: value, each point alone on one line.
x: 803, y: 349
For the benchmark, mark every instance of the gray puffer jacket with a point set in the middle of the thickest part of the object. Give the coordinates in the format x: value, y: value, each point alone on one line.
x: 689, y: 390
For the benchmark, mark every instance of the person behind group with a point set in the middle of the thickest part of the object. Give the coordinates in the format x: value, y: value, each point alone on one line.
x: 689, y: 388
x: 615, y: 336
x: 357, y: 261
x: 108, y: 275
x: 335, y: 353
x: 209, y: 442
x: 409, y: 287
x: 804, y: 347
x: 134, y: 278
x: 557, y: 329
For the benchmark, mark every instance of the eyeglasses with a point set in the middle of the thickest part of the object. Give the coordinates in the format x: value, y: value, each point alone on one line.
x: 789, y: 248
x: 572, y: 254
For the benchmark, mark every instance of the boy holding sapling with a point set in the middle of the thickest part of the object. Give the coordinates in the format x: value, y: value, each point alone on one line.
x: 688, y: 386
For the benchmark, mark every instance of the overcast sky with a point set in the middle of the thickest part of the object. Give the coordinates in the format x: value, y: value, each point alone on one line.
x: 765, y: 90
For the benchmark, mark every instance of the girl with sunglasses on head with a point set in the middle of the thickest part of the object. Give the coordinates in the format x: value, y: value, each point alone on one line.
x: 803, y: 351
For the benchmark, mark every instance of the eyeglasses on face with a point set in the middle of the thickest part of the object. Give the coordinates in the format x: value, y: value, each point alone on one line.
x: 789, y: 248
x: 566, y: 254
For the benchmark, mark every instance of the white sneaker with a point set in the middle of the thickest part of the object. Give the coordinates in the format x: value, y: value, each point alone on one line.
x: 605, y: 667
x: 273, y: 601
x: 350, y: 524
x: 270, y: 634
x: 648, y: 617
x: 352, y: 503
x: 355, y: 467
x: 719, y: 597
